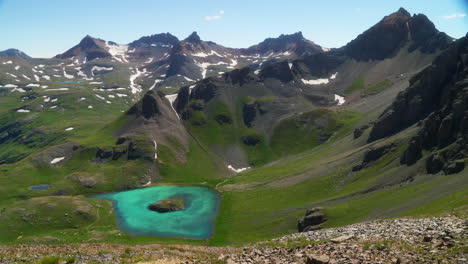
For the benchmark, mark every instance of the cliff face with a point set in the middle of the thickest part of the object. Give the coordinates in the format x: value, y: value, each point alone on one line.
x: 439, y: 97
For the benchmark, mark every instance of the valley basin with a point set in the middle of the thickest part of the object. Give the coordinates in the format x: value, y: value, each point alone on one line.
x: 196, y: 221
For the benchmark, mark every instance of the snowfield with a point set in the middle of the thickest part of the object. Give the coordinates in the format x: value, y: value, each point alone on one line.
x: 320, y: 81
x: 237, y: 170
x: 57, y: 160
x: 66, y: 75
x: 97, y: 69
x: 172, y: 98
x: 339, y: 99
x: 118, y: 52
x: 135, y: 87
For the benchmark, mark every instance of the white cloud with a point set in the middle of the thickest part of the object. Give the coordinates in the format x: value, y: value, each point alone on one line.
x: 209, y: 18
x: 452, y: 16
x: 215, y: 17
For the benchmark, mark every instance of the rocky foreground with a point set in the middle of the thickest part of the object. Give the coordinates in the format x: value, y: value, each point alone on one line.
x: 427, y: 240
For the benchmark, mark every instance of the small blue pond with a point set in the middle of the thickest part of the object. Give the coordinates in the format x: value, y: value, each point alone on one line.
x: 196, y: 221
x: 76, y: 81
x: 39, y: 187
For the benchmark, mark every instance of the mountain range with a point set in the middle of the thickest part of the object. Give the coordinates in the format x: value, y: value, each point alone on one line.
x: 374, y: 129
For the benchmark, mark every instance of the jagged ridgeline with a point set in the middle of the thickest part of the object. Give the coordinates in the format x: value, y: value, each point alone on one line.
x: 291, y: 136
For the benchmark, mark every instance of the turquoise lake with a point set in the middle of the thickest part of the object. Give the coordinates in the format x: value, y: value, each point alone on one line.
x: 196, y: 221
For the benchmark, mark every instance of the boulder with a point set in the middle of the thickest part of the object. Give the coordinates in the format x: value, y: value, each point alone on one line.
x: 434, y: 163
x: 312, y: 219
x: 168, y: 205
x: 317, y: 259
x: 360, y: 130
x: 455, y: 166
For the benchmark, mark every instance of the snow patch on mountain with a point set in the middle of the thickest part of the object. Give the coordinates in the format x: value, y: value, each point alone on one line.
x: 56, y: 160
x: 98, y: 68
x: 12, y: 75
x: 58, y: 89
x: 315, y: 82
x: 154, y: 84
x: 172, y: 98
x: 135, y: 87
x: 339, y: 99
x: 204, y: 54
x: 19, y: 90
x: 155, y: 150
x: 320, y: 81
x: 237, y: 170
x: 118, y: 52
x: 9, y: 85
x: 66, y: 75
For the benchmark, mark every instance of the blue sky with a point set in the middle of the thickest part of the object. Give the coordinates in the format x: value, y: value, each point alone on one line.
x: 44, y: 28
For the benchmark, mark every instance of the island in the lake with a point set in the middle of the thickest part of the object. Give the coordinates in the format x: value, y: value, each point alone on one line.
x: 168, y: 205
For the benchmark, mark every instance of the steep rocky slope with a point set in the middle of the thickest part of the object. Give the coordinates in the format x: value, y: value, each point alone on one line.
x: 437, y: 99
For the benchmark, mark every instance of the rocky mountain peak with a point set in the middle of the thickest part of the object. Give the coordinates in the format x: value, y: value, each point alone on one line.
x: 156, y: 39
x: 193, y: 38
x: 87, y: 41
x: 13, y: 53
x: 399, y: 17
x: 403, y: 12
x: 89, y: 48
x: 292, y: 37
x: 384, y: 39
x: 285, y: 42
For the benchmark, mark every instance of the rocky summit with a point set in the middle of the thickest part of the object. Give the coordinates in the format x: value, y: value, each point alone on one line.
x: 138, y: 145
